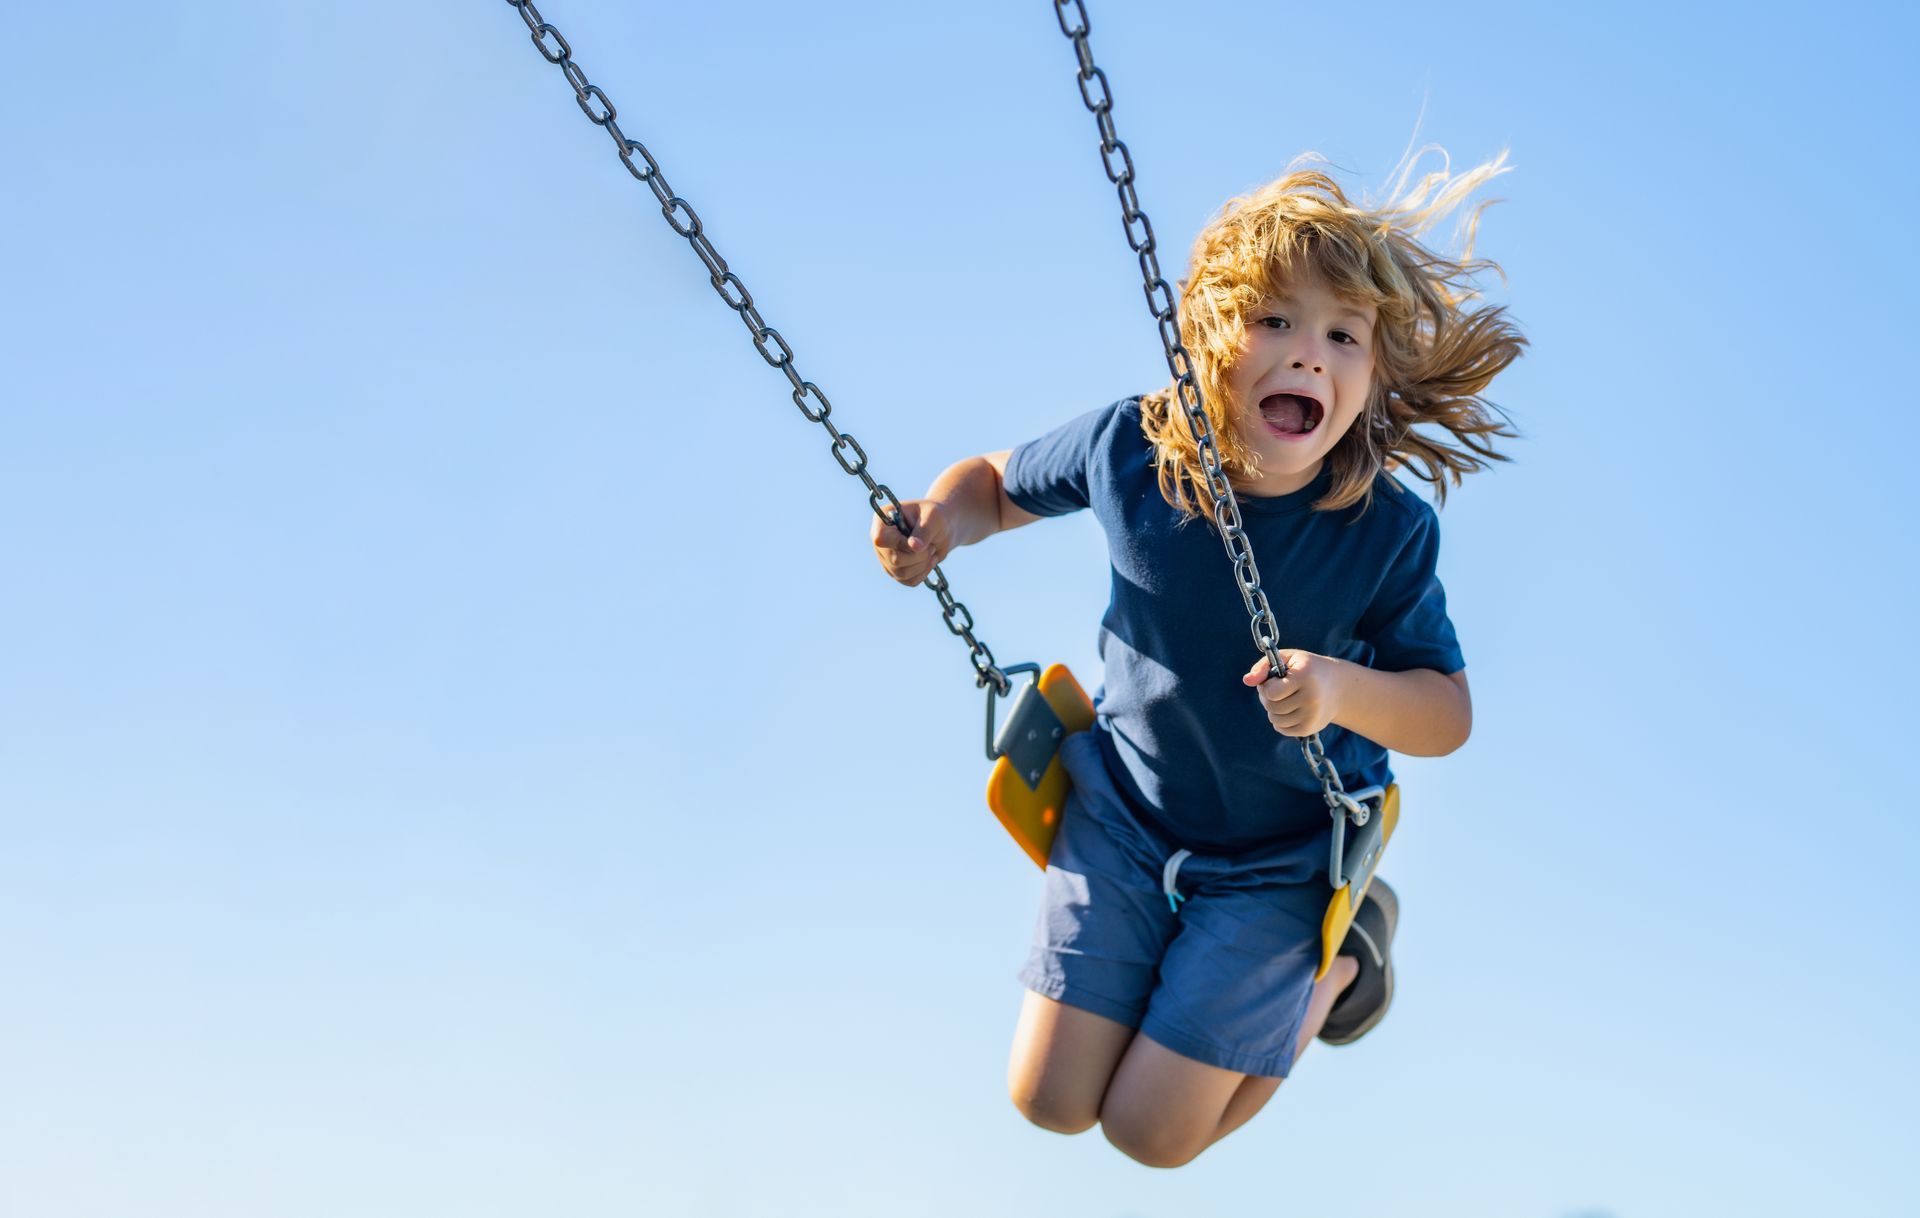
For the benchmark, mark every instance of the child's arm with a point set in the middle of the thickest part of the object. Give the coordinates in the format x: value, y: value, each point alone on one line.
x: 965, y: 504
x: 1421, y: 712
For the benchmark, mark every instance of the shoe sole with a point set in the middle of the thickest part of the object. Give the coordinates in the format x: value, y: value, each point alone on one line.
x: 1389, y: 903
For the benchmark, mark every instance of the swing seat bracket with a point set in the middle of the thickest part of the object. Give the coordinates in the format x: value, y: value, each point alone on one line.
x: 1356, y: 857
x: 1030, y: 736
x: 1373, y: 812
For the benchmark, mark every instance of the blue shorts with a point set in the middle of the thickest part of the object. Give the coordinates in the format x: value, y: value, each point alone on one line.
x: 1226, y: 979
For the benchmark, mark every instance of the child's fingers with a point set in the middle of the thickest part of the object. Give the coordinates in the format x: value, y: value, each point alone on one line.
x: 904, y: 569
x: 1276, y: 693
x: 901, y: 556
x: 887, y: 537
x: 1263, y: 668
x: 1290, y: 723
x: 925, y: 523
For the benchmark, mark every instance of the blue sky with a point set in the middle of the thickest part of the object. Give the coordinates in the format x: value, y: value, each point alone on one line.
x: 459, y: 756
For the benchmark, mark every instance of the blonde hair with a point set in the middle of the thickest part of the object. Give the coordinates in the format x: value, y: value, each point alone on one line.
x: 1432, y: 354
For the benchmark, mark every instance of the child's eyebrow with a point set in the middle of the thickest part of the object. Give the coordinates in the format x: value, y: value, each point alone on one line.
x: 1347, y: 313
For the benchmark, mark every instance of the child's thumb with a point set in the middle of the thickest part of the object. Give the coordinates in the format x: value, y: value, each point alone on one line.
x: 1257, y: 673
x: 920, y: 517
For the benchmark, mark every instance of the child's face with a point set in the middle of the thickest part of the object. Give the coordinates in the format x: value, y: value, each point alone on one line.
x: 1306, y: 341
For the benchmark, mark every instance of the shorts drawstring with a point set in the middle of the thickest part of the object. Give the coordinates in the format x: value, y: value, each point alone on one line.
x: 1167, y: 876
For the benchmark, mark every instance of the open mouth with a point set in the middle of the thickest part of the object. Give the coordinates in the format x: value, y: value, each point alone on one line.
x: 1291, y: 415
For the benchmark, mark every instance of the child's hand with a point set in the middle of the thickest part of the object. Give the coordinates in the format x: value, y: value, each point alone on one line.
x: 908, y: 559
x: 1306, y: 699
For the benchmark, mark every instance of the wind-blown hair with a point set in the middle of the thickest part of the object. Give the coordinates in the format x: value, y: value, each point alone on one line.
x: 1433, y: 355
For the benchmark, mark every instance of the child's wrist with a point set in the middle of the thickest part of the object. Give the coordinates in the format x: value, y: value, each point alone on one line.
x: 1343, y: 680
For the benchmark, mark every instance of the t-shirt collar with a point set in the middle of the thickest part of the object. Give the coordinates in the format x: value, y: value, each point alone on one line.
x: 1301, y: 500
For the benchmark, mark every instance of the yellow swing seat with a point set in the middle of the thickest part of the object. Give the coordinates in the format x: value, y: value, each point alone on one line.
x: 1028, y: 787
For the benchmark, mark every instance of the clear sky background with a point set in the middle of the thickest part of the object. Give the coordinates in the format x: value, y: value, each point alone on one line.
x: 458, y: 755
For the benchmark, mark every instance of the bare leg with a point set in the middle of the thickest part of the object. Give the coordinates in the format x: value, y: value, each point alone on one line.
x: 1071, y: 1069
x: 1254, y: 1090
x: 1162, y: 1107
x: 1062, y: 1061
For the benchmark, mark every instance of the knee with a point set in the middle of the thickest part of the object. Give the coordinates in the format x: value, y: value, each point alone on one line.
x: 1155, y: 1143
x: 1053, y: 1112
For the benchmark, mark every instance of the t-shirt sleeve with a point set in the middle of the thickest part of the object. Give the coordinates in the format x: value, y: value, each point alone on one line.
x: 1407, y: 623
x: 1049, y: 476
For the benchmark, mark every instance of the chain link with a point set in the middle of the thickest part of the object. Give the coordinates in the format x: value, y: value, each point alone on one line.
x: 1098, y: 98
x: 812, y: 403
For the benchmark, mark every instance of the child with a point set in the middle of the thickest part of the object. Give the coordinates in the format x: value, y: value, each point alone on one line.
x: 1170, y: 985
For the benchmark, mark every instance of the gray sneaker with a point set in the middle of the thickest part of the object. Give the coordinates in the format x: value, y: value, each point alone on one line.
x: 1370, y: 941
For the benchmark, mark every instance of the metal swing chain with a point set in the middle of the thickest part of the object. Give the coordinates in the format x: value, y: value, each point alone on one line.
x: 813, y: 404
x: 1160, y: 299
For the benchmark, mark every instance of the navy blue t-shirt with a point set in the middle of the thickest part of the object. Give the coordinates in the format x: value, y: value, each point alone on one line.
x: 1189, y: 744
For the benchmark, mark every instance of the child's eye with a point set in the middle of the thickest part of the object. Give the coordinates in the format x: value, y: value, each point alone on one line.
x: 1276, y: 322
